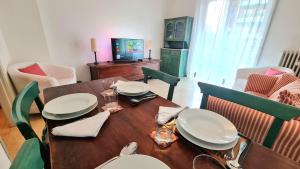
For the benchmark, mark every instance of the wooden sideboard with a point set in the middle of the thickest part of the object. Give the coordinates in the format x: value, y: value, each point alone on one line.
x: 130, y: 71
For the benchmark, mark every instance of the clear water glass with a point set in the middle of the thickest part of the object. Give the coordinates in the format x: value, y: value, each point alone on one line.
x: 163, y: 135
x: 110, y: 98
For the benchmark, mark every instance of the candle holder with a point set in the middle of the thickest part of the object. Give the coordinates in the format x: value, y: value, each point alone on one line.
x: 96, y: 61
x: 149, y: 57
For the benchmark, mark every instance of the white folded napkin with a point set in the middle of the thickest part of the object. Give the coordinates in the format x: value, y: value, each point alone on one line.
x: 115, y: 85
x: 166, y: 113
x: 88, y: 127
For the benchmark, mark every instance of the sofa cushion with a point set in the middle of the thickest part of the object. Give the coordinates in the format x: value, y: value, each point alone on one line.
x: 33, y: 69
x: 260, y: 83
x: 274, y: 72
x: 282, y: 81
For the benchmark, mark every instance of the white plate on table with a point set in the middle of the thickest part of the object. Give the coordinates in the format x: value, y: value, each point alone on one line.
x: 203, y: 144
x: 136, y: 161
x: 129, y: 94
x: 68, y: 116
x: 207, y: 126
x: 133, y: 88
x: 71, y: 103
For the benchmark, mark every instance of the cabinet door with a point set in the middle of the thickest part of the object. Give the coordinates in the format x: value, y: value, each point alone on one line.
x: 180, y: 25
x: 164, y: 62
x: 169, y: 30
x: 174, y: 62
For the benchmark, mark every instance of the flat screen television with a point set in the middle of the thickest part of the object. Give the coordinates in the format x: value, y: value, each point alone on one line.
x: 127, y: 49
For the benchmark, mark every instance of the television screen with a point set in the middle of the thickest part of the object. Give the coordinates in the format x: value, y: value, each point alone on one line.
x: 127, y: 49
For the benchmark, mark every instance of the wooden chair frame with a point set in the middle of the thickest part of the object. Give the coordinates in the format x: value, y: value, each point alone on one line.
x: 20, y: 114
x: 172, y: 80
x: 29, y: 156
x: 281, y: 112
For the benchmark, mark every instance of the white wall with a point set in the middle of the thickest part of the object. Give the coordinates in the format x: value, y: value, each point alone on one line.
x: 284, y: 32
x: 22, y: 30
x: 177, y: 8
x: 6, y: 90
x: 70, y: 24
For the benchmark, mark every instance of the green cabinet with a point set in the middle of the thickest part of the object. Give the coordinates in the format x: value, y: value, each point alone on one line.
x: 178, y: 32
x: 174, y: 61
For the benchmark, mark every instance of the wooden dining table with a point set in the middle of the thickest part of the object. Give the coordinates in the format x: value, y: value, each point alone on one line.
x: 133, y: 123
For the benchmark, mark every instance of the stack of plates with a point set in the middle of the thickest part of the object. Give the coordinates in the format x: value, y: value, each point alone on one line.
x: 70, y: 106
x: 207, y: 129
x: 133, y: 88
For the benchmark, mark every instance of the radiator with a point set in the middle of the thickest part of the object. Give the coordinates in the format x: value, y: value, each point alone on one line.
x: 291, y: 59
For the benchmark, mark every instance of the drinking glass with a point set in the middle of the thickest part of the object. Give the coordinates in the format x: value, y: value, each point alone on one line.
x: 110, y: 98
x: 206, y: 161
x: 163, y: 136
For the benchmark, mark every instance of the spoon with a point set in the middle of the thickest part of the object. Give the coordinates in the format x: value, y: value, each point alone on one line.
x: 126, y: 150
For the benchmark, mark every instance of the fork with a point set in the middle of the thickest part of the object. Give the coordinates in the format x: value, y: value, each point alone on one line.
x: 229, y: 155
x: 235, y: 163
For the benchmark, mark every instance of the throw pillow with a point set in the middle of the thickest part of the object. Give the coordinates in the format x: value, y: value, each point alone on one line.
x: 282, y: 81
x: 288, y: 94
x: 33, y: 69
x: 260, y: 83
x: 273, y: 72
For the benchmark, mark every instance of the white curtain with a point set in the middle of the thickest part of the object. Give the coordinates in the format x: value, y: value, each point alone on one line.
x: 227, y: 35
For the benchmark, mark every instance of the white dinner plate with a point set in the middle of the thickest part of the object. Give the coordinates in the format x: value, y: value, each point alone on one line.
x: 133, y: 88
x: 68, y: 116
x: 129, y: 94
x: 207, y: 126
x: 136, y: 161
x: 71, y: 103
x: 203, y: 144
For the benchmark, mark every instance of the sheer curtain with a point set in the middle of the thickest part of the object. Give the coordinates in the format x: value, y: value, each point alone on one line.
x: 228, y: 34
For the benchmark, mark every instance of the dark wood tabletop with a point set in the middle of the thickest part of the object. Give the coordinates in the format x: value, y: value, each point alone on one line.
x: 133, y: 123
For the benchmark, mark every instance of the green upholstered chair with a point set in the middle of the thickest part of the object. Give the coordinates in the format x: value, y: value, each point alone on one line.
x: 267, y: 106
x: 20, y: 114
x: 172, y: 80
x: 29, y: 156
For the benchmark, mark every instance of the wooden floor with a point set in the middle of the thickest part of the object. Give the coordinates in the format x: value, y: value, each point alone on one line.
x: 11, y: 135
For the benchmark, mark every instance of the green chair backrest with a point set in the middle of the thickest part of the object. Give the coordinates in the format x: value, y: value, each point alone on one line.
x: 29, y: 156
x: 172, y: 80
x: 281, y: 112
x: 21, y: 109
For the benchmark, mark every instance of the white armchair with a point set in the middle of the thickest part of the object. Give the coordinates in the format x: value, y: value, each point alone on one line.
x: 243, y: 74
x: 56, y: 75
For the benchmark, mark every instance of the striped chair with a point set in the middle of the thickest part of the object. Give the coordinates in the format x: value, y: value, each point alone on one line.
x: 264, y: 121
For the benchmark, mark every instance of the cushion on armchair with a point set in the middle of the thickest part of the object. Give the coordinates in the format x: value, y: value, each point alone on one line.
x: 282, y: 81
x: 33, y: 69
x: 260, y: 83
x: 274, y: 72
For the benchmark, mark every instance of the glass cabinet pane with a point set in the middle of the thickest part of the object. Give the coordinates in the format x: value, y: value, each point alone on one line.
x: 170, y: 30
x: 180, y: 30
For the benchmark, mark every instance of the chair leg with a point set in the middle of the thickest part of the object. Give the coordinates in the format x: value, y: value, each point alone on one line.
x: 171, y: 92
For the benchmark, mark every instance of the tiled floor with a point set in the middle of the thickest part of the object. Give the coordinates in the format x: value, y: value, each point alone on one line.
x: 186, y: 93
